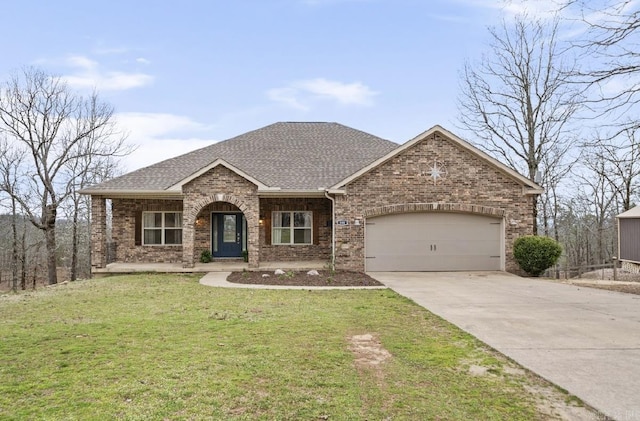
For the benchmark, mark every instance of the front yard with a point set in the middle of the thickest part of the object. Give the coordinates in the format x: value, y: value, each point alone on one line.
x: 166, y: 347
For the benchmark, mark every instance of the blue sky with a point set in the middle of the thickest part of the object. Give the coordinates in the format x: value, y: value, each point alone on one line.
x: 182, y: 75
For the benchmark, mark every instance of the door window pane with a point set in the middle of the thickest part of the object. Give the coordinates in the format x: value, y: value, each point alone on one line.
x: 229, y: 229
x: 215, y: 233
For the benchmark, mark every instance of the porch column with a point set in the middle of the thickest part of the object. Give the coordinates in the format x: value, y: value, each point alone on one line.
x: 188, y: 239
x: 252, y: 215
x: 98, y: 232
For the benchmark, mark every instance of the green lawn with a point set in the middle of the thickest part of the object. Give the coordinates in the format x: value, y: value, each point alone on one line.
x: 165, y: 347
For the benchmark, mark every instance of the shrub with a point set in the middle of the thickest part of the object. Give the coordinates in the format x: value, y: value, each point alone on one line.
x: 536, y: 254
x: 205, y: 256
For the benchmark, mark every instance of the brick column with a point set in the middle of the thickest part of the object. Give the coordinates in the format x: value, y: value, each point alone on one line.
x: 252, y: 215
x: 98, y: 232
x: 188, y: 237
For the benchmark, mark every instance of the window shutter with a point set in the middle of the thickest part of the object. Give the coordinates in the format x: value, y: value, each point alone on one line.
x: 138, y: 229
x: 267, y: 229
x: 316, y: 229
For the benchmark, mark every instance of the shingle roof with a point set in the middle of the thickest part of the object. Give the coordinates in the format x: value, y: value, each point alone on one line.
x: 290, y: 155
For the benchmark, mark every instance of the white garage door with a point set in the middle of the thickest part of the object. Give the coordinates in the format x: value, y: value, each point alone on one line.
x: 433, y: 242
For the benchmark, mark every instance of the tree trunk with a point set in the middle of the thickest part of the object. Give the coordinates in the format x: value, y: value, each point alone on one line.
x: 50, y: 238
x: 74, y: 244
x: 23, y: 257
x: 14, y: 247
x: 534, y: 208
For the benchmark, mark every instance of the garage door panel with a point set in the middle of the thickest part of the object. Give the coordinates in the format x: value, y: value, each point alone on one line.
x: 433, y: 242
x: 432, y: 264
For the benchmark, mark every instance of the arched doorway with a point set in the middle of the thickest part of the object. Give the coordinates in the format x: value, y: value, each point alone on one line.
x: 221, y: 228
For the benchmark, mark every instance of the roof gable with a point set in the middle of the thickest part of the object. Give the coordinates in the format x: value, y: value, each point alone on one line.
x: 218, y: 162
x: 530, y: 186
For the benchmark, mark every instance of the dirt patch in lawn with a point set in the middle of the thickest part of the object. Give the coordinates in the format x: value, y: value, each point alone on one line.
x: 297, y: 278
x: 367, y: 350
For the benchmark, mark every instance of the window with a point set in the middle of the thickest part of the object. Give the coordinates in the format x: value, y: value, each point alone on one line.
x: 292, y: 228
x: 160, y: 228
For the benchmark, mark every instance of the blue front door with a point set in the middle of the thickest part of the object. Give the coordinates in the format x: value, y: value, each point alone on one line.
x: 227, y: 233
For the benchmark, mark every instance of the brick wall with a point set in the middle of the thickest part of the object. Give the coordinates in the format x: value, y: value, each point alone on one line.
x: 219, y: 184
x: 125, y: 212
x: 98, y: 232
x: 405, y: 179
x: 320, y: 250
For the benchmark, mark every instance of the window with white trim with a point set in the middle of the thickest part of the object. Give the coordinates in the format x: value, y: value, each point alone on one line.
x: 292, y: 228
x: 162, y: 228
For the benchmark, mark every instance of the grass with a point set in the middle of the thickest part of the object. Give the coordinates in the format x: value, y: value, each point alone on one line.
x: 165, y: 347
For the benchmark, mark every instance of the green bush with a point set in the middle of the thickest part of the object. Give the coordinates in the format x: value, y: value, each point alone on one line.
x: 536, y: 254
x: 205, y: 256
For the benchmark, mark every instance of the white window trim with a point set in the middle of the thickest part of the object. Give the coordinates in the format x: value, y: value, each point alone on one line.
x: 291, y: 228
x: 161, y: 228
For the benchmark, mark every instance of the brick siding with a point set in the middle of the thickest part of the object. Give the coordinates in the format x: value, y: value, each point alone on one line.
x: 470, y: 185
x: 219, y: 184
x: 123, y: 232
x: 320, y: 250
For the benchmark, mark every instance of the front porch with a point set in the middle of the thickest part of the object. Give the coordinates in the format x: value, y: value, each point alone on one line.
x: 217, y: 266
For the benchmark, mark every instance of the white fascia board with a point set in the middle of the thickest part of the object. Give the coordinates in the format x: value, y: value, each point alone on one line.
x: 178, y: 185
x: 290, y: 193
x: 131, y: 193
x: 526, y: 191
x: 533, y: 188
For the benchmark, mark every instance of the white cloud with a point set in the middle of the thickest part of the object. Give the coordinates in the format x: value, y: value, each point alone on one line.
x: 287, y: 96
x: 302, y: 93
x: 160, y: 136
x: 143, y: 60
x: 345, y: 93
x: 542, y: 9
x: 89, y: 74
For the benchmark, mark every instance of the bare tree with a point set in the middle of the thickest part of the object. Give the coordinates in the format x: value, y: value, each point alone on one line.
x: 52, y: 123
x: 610, y: 45
x: 519, y: 100
x: 87, y: 170
x: 600, y: 195
x: 10, y: 163
x: 621, y: 165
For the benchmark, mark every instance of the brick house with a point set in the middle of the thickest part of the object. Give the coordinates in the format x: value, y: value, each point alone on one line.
x: 319, y: 191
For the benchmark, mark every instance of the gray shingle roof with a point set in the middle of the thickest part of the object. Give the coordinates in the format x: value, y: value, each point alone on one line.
x: 291, y: 156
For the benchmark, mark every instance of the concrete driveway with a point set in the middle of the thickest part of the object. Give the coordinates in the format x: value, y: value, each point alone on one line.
x: 584, y: 340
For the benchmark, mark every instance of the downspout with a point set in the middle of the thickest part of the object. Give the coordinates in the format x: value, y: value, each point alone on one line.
x: 333, y: 229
